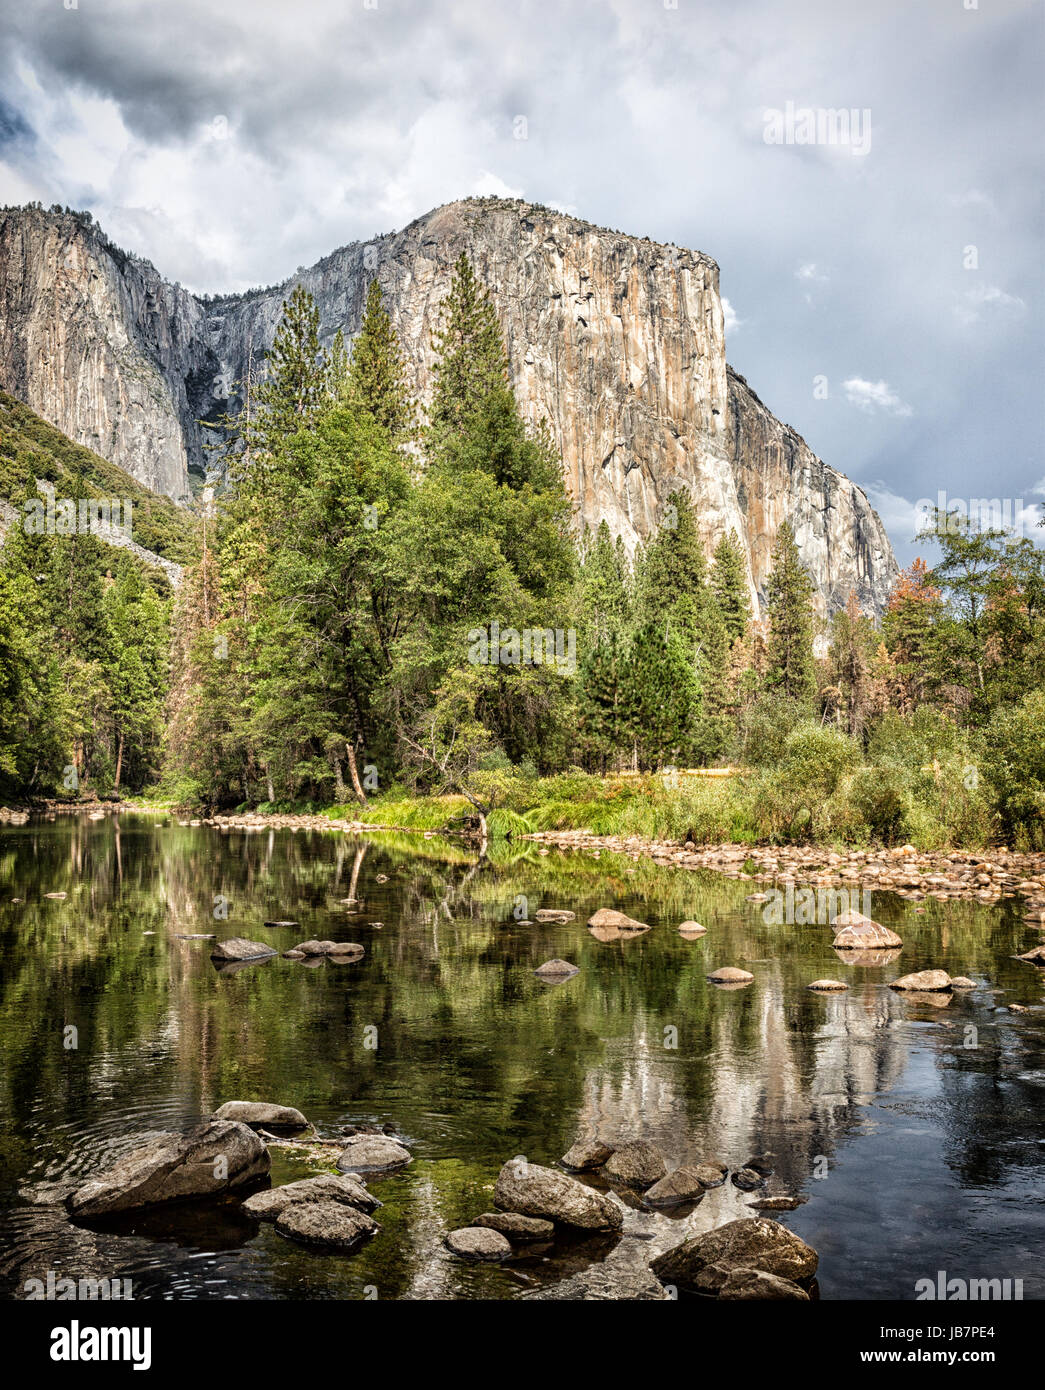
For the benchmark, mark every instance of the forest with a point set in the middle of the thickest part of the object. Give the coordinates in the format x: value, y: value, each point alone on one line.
x: 382, y: 604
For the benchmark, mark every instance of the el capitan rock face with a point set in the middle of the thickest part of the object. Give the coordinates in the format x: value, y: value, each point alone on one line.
x: 617, y: 341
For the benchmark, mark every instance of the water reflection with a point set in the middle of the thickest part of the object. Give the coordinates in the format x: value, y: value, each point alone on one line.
x: 915, y: 1131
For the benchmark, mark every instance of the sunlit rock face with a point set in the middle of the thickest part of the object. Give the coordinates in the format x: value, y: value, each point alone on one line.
x: 616, y: 341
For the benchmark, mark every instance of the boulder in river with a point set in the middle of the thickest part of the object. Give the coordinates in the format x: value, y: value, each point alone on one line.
x: 327, y: 1225
x: 519, y: 1229
x: 1036, y: 955
x: 827, y: 986
x: 612, y: 1283
x: 748, y: 1179
x: 750, y: 1243
x: 585, y: 1154
x: 682, y: 1186
x: 535, y: 1191
x: 216, y: 1156
x: 239, y: 948
x: 261, y: 1114
x: 609, y: 917
x: 555, y: 914
x: 924, y: 981
x: 556, y: 970
x: 283, y: 922
x: 758, y: 1283
x: 330, y: 948
x: 324, y: 1187
x: 636, y: 1164
x: 711, y: 1173
x: 730, y: 975
x: 478, y: 1243
x: 691, y: 930
x: 962, y: 982
x: 862, y: 934
x: 372, y: 1153
x: 778, y: 1203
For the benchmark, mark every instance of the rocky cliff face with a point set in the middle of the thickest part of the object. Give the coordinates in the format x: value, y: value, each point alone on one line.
x: 617, y: 342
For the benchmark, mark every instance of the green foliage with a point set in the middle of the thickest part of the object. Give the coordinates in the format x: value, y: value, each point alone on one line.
x: 1014, y: 764
x: 789, y: 602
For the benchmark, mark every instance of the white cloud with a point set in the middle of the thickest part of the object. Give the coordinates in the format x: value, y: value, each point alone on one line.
x: 872, y: 396
x: 730, y: 321
x: 809, y: 272
x: 987, y: 299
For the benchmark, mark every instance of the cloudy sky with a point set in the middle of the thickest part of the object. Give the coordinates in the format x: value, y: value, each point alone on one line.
x: 884, y: 295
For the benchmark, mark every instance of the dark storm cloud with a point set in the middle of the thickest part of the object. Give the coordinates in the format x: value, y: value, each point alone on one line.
x: 232, y: 142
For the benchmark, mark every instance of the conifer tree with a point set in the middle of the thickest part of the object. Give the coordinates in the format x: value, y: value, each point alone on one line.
x: 377, y: 373
x: 789, y: 603
x: 729, y: 583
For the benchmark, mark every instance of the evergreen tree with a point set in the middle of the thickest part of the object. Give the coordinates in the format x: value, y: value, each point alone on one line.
x: 729, y: 584
x: 377, y: 374
x: 789, y: 604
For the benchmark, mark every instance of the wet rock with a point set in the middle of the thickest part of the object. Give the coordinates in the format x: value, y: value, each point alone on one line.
x: 934, y: 999
x: 294, y: 955
x: 586, y: 1154
x: 827, y: 986
x: 778, y: 1203
x: 330, y: 948
x: 748, y: 1179
x: 261, y: 1114
x: 174, y: 1167
x: 49, y: 1194
x: 1036, y: 956
x: 757, y: 1283
x: 925, y: 981
x: 372, y: 1153
x: 324, y: 1187
x: 757, y: 898
x: 239, y: 948
x: 556, y: 970
x: 711, y: 1173
x: 637, y: 1164
x: 730, y: 975
x: 862, y: 935
x: 963, y: 982
x: 750, y: 1243
x: 328, y: 1225
x: 282, y: 922
x: 608, y: 917
x: 478, y: 1243
x: 681, y: 1186
x: 531, y: 1190
x: 692, y: 930
x: 555, y: 914
x: 604, y: 1283
x: 519, y: 1229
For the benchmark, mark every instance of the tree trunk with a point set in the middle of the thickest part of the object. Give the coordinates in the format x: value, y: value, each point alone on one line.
x: 119, y: 765
x: 353, y: 772
x: 271, y: 788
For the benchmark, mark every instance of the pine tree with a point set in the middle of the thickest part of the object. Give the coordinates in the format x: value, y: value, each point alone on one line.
x: 789, y: 604
x: 296, y: 387
x: 729, y: 583
x: 377, y: 373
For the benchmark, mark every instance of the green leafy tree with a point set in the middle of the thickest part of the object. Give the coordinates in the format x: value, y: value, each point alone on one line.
x: 789, y: 605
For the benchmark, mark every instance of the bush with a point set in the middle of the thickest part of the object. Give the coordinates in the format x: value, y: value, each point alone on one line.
x: 1014, y: 766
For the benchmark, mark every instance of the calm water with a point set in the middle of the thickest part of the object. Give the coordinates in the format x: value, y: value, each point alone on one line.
x: 917, y: 1153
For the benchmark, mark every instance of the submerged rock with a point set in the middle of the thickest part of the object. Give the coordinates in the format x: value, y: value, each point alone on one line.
x: 515, y: 1227
x: 555, y: 914
x: 730, y: 975
x: 330, y: 948
x: 610, y: 918
x: 682, y: 1186
x: 260, y: 1114
x: 704, y: 1263
x: 328, y: 1224
x: 478, y: 1243
x: 372, y: 1153
x: 637, y: 1164
x: 604, y: 1283
x: 239, y: 948
x: 962, y: 982
x: 216, y: 1156
x: 827, y: 986
x: 925, y: 981
x: 324, y: 1187
x: 531, y: 1190
x: 778, y: 1203
x: 556, y: 970
x: 586, y: 1154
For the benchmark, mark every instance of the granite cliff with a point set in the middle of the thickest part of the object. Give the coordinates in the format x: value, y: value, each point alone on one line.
x: 617, y: 341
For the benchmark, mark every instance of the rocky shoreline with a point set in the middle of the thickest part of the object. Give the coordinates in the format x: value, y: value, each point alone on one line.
x: 985, y: 876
